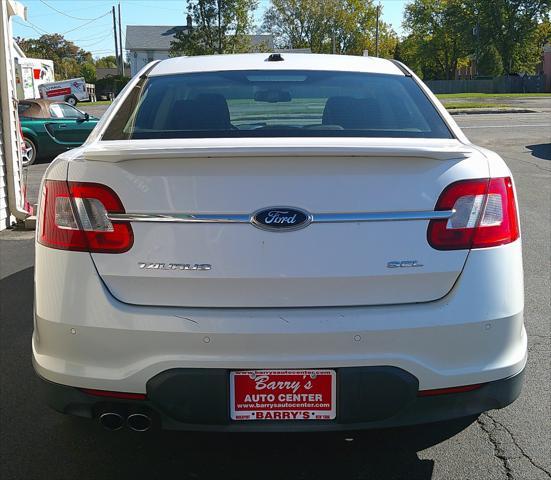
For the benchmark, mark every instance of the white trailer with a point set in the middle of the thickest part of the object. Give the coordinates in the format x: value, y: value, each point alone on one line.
x: 71, y: 91
x: 30, y: 73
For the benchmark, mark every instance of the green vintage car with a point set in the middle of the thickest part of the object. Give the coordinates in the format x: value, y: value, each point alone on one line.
x: 52, y: 127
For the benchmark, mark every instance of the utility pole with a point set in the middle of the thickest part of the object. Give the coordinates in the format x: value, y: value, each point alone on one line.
x: 476, y: 31
x: 116, y: 40
x: 377, y: 31
x: 120, y: 42
x: 219, y: 5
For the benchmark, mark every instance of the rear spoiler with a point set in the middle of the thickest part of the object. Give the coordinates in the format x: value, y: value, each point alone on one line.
x: 126, y: 150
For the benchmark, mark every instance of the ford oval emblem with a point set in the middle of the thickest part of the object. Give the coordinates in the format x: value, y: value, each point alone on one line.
x: 281, y: 219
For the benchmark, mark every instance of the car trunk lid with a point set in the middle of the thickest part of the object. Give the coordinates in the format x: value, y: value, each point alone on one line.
x: 362, y: 248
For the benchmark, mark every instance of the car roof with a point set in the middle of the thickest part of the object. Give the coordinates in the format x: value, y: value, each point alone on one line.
x: 291, y: 61
x: 41, y: 101
x: 39, y: 107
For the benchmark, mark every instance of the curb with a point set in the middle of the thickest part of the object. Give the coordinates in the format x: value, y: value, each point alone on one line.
x: 470, y: 111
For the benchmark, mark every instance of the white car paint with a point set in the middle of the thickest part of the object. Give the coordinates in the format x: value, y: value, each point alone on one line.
x: 101, y: 323
x: 475, y: 334
x: 277, y: 271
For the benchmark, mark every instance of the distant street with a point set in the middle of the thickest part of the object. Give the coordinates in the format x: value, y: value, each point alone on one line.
x: 514, y: 443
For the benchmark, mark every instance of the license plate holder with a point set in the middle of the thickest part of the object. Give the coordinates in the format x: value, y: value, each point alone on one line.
x: 283, y: 395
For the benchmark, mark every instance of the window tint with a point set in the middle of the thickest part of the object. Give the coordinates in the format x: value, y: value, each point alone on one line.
x: 277, y: 103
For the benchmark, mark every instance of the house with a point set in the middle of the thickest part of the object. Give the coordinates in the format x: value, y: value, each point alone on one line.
x: 12, y: 201
x: 145, y: 43
x: 106, y: 72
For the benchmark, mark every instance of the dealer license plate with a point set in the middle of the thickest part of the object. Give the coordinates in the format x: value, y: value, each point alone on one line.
x: 283, y: 395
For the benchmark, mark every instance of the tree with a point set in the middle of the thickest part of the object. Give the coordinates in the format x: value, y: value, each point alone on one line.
x: 324, y: 26
x: 528, y: 56
x: 67, y: 68
x: 354, y: 27
x: 219, y: 26
x: 489, y: 61
x: 299, y: 23
x: 438, y: 31
x: 65, y: 54
x: 106, y: 62
x: 511, y: 26
x: 502, y: 36
x: 412, y: 52
x: 407, y: 51
x: 88, y: 71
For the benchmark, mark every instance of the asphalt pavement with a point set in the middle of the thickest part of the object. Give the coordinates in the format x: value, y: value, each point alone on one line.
x: 513, y: 443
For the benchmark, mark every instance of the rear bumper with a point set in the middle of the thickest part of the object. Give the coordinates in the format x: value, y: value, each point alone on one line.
x: 84, y: 337
x: 367, y: 398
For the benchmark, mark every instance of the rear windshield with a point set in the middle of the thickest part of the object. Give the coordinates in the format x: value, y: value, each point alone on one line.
x: 276, y: 104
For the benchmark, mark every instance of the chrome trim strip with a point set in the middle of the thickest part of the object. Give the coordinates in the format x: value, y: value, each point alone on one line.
x: 179, y: 218
x: 380, y: 216
x: 316, y: 217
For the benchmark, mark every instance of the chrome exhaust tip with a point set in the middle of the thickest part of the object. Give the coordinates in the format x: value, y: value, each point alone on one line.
x: 139, y: 422
x: 111, y: 421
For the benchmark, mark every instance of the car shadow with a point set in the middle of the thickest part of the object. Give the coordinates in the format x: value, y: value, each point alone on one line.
x: 40, y: 443
x: 382, y: 454
x: 541, y: 150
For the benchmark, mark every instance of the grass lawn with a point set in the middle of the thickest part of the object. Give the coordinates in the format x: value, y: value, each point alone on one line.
x: 91, y: 104
x: 454, y: 106
x: 443, y: 96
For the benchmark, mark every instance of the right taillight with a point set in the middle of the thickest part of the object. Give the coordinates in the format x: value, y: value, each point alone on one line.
x: 75, y: 216
x: 485, y: 215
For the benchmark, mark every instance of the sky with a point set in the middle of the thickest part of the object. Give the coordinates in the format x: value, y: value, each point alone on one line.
x: 78, y: 20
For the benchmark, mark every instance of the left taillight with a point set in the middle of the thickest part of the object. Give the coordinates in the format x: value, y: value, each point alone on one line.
x: 75, y: 216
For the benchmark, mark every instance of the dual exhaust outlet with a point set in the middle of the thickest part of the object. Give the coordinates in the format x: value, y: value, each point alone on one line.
x: 112, y: 420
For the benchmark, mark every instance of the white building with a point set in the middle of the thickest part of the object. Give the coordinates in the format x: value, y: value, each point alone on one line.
x: 12, y: 202
x: 146, y: 43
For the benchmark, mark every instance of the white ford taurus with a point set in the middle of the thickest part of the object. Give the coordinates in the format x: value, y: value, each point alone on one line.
x: 278, y: 242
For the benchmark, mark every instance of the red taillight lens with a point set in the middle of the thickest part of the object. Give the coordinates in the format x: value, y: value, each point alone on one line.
x: 485, y: 215
x: 447, y: 391
x: 74, y: 216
